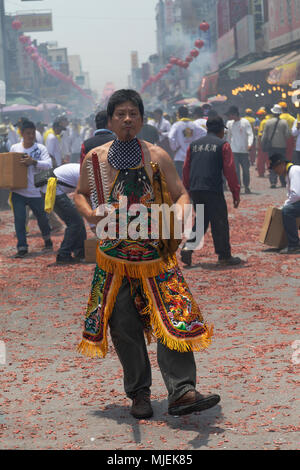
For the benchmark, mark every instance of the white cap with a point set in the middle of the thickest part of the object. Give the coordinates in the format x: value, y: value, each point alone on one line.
x: 276, y: 109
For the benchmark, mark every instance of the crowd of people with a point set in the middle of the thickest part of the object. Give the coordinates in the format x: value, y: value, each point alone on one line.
x: 138, y: 287
x: 241, y: 140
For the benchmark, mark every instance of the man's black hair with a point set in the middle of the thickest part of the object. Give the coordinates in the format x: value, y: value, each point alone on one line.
x: 101, y: 120
x: 183, y: 112
x: 198, y: 112
x: 27, y: 125
x: 122, y: 96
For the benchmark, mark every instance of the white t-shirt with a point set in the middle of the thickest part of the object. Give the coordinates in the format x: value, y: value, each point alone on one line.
x: 240, y: 135
x: 39, y: 137
x: 69, y: 174
x: 293, y: 184
x: 54, y: 148
x: 39, y: 153
x: 164, y: 126
x: 201, y: 122
x: 181, y: 135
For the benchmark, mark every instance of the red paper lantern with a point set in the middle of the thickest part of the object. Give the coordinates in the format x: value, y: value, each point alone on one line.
x: 204, y: 26
x: 16, y: 25
x: 185, y: 65
x: 173, y: 60
x: 23, y: 39
x: 189, y: 59
x: 194, y: 53
x: 35, y: 56
x: 199, y: 43
x: 169, y: 67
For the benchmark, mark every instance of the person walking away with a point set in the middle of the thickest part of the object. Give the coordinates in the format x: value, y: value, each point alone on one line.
x: 53, y: 143
x: 101, y: 136
x: 76, y: 141
x: 5, y: 145
x: 262, y: 163
x: 296, y: 134
x: 138, y: 287
x: 290, y: 145
x: 163, y: 127
x: 252, y: 121
x: 240, y: 136
x: 75, y: 233
x: 291, y: 208
x: 275, y: 137
x: 182, y: 134
x: 36, y: 158
x: 207, y: 160
x: 198, y: 116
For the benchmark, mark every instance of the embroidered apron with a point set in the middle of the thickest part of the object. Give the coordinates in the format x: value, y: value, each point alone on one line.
x: 159, y: 291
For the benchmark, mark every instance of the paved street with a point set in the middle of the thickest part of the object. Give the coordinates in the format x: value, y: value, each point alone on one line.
x: 53, y: 398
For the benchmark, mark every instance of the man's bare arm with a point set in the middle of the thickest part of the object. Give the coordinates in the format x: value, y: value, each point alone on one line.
x: 82, y: 196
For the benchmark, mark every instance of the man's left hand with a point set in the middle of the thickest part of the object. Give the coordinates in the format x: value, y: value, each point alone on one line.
x: 27, y: 160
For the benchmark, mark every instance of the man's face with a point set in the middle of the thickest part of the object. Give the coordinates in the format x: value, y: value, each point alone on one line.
x: 126, y: 121
x: 28, y: 137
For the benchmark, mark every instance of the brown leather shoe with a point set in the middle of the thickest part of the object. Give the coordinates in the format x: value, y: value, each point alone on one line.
x: 193, y: 401
x: 141, y: 406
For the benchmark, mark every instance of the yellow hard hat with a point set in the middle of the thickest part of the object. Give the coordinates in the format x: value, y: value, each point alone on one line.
x: 249, y: 111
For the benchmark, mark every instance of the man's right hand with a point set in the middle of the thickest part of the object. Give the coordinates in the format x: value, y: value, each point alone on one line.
x: 236, y: 203
x: 93, y: 218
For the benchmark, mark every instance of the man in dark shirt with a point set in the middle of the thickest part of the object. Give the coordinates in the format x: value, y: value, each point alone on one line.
x: 148, y: 133
x: 207, y: 158
x: 101, y: 136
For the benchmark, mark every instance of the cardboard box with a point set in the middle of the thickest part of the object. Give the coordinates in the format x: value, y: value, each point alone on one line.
x: 13, y: 175
x: 90, y: 247
x: 273, y: 233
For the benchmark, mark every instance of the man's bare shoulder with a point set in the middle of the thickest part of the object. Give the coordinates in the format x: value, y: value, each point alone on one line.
x: 100, y: 151
x: 158, y: 155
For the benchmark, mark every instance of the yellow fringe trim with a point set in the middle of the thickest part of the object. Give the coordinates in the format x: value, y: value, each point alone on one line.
x: 142, y: 271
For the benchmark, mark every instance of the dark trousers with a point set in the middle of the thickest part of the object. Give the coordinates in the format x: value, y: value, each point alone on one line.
x: 273, y: 177
x: 179, y: 168
x: 178, y: 369
x: 4, y: 195
x: 215, y: 214
x: 36, y: 204
x: 242, y: 161
x: 296, y: 157
x: 75, y: 233
x: 290, y: 213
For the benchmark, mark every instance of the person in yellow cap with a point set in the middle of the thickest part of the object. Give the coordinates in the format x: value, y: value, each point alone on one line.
x: 291, y: 143
x: 252, y: 121
x: 262, y: 157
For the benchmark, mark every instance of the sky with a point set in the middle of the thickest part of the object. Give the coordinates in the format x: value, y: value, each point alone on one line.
x: 102, y: 32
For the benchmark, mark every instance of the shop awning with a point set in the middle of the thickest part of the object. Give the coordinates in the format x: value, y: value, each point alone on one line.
x: 268, y: 63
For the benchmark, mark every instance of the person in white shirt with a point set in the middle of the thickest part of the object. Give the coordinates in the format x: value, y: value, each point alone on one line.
x: 241, y: 138
x: 35, y: 158
x: 76, y: 140
x: 53, y: 144
x: 199, y: 119
x: 296, y: 133
x: 163, y: 127
x: 75, y: 234
x: 181, y: 135
x: 291, y: 208
x: 12, y: 133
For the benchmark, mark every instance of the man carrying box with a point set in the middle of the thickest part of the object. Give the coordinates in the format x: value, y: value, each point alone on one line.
x: 291, y: 208
x: 35, y: 158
